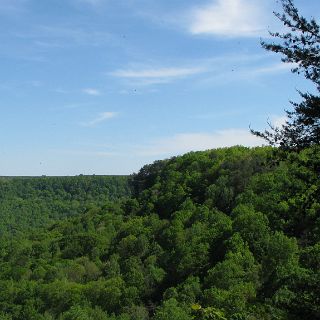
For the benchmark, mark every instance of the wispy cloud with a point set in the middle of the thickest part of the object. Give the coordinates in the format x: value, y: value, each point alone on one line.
x: 66, y: 35
x: 104, y: 116
x: 231, y: 18
x: 156, y: 75
x: 217, y: 115
x: 216, y: 70
x: 12, y: 6
x: 93, y: 3
x: 185, y: 142
x: 271, y: 69
x: 264, y: 69
x: 226, y: 73
x: 78, y: 36
x: 89, y: 153
x: 91, y: 91
x: 62, y: 91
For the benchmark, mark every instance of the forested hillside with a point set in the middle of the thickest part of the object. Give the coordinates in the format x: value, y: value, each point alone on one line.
x: 27, y: 202
x: 222, y: 234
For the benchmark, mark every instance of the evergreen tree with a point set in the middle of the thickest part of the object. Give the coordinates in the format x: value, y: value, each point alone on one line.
x: 300, y: 46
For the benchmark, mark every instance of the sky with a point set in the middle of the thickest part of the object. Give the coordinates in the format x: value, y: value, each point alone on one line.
x: 107, y: 86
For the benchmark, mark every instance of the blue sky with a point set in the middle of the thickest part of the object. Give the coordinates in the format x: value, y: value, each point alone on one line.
x: 106, y: 86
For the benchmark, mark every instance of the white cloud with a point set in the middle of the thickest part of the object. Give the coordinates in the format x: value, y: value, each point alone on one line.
x: 233, y: 18
x: 278, y: 121
x: 104, y: 116
x: 156, y: 75
x: 91, y: 92
x: 185, y: 142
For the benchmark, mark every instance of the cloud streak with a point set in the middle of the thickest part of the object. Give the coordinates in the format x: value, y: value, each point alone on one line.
x: 102, y: 117
x: 49, y: 37
x: 273, y: 68
x: 12, y: 6
x: 156, y: 75
x: 218, y: 69
x: 91, y: 91
x: 226, y: 73
x: 93, y: 3
x: 185, y: 142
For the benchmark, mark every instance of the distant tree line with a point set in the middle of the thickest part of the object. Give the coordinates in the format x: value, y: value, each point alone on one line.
x: 28, y: 202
